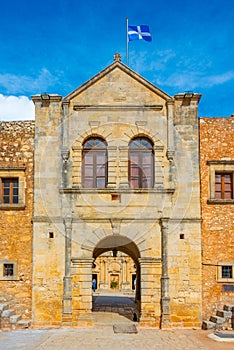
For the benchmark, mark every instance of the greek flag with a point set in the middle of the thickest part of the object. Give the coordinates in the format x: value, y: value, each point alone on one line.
x: 139, y: 32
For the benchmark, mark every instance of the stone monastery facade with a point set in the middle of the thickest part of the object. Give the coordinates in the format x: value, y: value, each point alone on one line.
x: 117, y: 168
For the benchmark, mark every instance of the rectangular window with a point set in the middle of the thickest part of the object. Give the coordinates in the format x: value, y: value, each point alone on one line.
x: 223, y: 185
x: 221, y: 176
x: 10, y: 190
x: 226, y: 271
x: 8, y: 270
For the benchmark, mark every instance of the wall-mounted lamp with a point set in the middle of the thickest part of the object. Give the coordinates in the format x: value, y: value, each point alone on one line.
x: 45, y: 96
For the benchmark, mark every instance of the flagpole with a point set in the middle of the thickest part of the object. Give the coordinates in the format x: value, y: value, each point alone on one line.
x: 127, y: 40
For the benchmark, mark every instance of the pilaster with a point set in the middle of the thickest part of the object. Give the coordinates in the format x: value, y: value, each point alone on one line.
x: 150, y: 272
x: 82, y: 291
x: 67, y: 291
x: 165, y: 295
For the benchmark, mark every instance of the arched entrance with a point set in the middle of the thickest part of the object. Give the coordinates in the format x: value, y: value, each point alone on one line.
x: 117, y: 276
x: 148, y: 281
x: 123, y: 244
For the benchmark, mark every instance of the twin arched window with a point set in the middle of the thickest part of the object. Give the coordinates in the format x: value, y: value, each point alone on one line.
x: 94, y: 163
x: 141, y: 163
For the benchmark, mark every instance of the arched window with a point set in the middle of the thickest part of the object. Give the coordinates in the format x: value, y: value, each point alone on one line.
x: 94, y: 163
x: 141, y: 163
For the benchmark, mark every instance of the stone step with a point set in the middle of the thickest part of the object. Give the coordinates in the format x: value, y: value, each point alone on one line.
x: 217, y: 319
x: 24, y: 323
x: 15, y: 318
x: 208, y: 325
x: 224, y: 314
x: 8, y: 313
x: 229, y: 308
x: 3, y: 307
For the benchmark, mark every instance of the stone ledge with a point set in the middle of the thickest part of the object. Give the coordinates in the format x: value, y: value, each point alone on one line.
x: 12, y: 206
x: 115, y: 190
x: 220, y: 201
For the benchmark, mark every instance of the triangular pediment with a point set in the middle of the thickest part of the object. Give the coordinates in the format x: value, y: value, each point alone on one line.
x: 117, y: 82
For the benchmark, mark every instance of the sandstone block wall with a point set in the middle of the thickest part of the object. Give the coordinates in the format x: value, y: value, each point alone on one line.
x: 16, y: 158
x: 216, y: 143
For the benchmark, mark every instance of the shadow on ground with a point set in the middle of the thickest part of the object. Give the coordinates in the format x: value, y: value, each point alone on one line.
x: 122, y: 305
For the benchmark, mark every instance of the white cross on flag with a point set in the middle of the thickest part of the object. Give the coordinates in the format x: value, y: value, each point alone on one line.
x: 139, y: 32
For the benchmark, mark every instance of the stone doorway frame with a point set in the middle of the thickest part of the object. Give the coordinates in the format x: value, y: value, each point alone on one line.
x: 148, y: 285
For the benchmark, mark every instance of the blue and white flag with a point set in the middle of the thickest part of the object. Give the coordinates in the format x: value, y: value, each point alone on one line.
x: 139, y: 32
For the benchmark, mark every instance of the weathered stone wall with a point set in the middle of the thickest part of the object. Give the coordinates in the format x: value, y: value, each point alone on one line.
x: 16, y: 157
x: 184, y: 239
x: 216, y: 143
x: 117, y: 105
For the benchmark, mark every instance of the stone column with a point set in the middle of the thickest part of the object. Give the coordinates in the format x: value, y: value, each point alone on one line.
x: 150, y: 273
x: 122, y: 270
x: 165, y: 295
x: 82, y: 291
x: 67, y: 295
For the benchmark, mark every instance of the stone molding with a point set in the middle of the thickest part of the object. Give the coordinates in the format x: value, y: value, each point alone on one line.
x: 114, y: 190
x: 118, y: 108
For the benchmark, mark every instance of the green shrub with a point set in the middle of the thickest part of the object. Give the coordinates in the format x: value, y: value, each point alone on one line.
x: 114, y: 284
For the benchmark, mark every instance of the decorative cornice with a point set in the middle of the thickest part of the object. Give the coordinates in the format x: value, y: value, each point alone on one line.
x: 114, y: 190
x: 117, y: 107
x: 221, y: 161
x: 52, y: 98
x: 13, y: 168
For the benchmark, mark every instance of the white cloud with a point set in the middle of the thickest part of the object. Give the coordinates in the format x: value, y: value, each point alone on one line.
x: 15, y: 84
x: 192, y: 79
x: 139, y: 61
x: 16, y: 108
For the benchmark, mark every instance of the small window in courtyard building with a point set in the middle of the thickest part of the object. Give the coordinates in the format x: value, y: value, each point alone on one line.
x: 8, y: 269
x: 223, y: 185
x: 141, y: 163
x: 226, y: 271
x: 94, y: 166
x: 10, y: 190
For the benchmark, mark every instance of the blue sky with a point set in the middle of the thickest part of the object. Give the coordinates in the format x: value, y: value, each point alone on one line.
x: 56, y: 45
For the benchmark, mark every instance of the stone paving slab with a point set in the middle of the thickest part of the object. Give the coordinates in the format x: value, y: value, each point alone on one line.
x: 125, y: 328
x: 102, y: 338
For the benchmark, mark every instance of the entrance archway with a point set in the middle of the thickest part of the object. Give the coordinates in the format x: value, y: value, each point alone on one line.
x: 148, y: 281
x: 124, y: 255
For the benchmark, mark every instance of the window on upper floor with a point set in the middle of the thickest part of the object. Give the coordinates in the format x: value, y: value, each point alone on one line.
x: 10, y: 190
x: 223, y: 185
x: 221, y: 178
x: 141, y: 163
x: 94, y: 163
x: 12, y: 187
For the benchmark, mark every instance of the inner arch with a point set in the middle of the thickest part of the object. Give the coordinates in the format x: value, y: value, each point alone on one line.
x: 120, y: 243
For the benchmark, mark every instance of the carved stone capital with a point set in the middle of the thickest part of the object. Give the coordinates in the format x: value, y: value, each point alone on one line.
x: 170, y: 154
x: 65, y: 155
